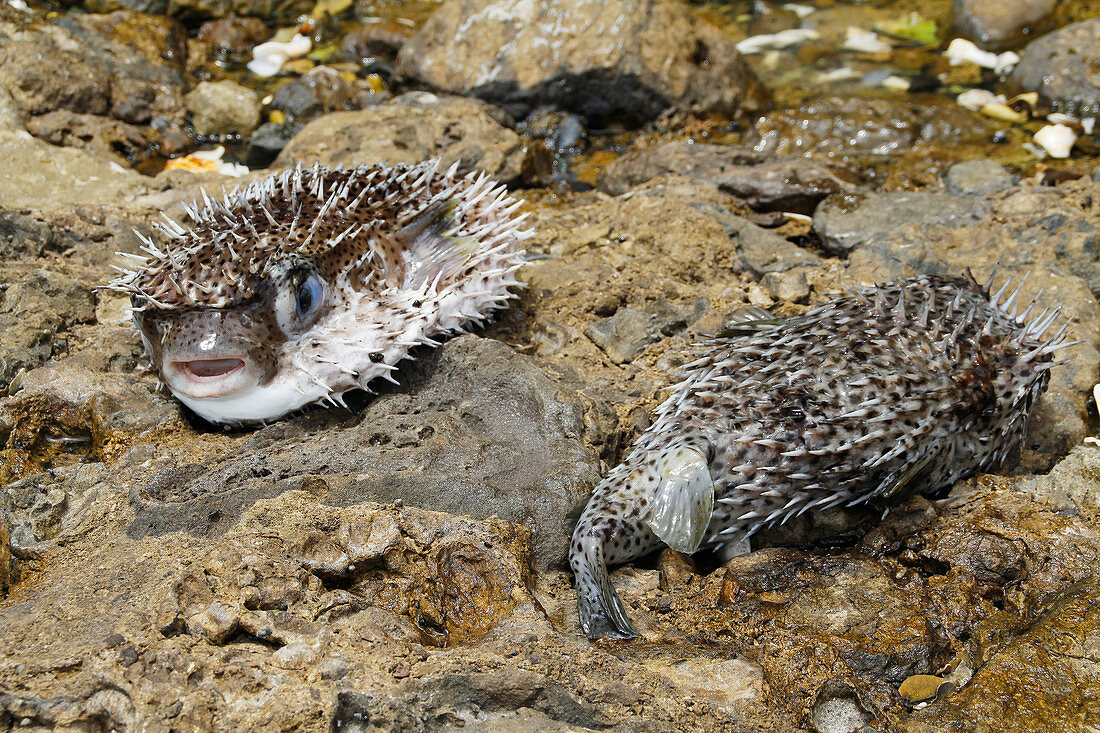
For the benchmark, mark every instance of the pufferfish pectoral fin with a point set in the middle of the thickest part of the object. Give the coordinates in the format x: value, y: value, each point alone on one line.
x: 681, y: 506
x: 432, y: 249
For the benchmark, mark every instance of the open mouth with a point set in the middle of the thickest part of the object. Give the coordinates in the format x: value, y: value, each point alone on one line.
x: 209, y: 369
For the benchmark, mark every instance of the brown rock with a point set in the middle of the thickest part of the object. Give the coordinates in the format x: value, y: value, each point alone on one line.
x: 626, y: 60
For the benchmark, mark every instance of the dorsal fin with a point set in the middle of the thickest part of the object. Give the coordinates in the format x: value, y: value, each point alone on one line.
x: 432, y: 251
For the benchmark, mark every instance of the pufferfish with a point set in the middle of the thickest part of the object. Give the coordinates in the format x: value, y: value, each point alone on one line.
x: 312, y: 282
x: 892, y: 388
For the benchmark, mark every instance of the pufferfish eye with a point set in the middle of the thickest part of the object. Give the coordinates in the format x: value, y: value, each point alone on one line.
x: 310, y: 295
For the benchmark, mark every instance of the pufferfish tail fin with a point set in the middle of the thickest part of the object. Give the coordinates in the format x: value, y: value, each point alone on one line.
x: 601, y: 611
x: 680, y: 509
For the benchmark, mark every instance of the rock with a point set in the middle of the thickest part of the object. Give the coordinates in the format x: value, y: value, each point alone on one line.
x: 1059, y: 66
x: 10, y: 118
x: 848, y: 221
x: 223, y: 108
x: 312, y: 94
x: 52, y: 176
x: 41, y: 79
x: 977, y: 178
x: 1071, y: 484
x: 790, y: 184
x: 268, y: 141
x: 839, y: 125
x: 281, y: 12
x: 5, y: 557
x: 791, y: 286
x: 104, y: 137
x: 477, y: 429
x: 408, y: 129
x: 233, y: 35
x: 761, y: 251
x: 624, y: 335
x: 36, y: 309
x: 627, y: 60
x: 375, y: 45
x: 838, y: 710
x: 990, y: 22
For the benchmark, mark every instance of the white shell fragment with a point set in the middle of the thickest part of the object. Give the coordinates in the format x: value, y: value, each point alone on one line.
x: 782, y: 39
x: 975, y: 99
x: 962, y: 51
x: 800, y: 10
x: 1056, y: 140
x: 865, y: 41
x: 896, y: 83
x: 268, y: 58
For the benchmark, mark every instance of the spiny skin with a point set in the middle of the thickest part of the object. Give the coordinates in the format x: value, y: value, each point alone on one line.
x: 917, y: 383
x: 310, y: 283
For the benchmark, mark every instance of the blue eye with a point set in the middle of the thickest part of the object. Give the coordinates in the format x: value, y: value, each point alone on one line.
x: 311, y: 293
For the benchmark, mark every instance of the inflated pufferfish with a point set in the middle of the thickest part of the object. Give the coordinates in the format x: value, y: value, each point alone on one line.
x: 916, y: 383
x: 312, y: 282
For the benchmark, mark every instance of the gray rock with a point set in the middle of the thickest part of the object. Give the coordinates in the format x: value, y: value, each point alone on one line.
x: 223, y: 108
x: 761, y: 251
x: 765, y: 184
x: 104, y: 137
x: 626, y: 60
x: 861, y: 126
x: 977, y: 178
x: 411, y: 128
x: 10, y: 118
x: 1071, y: 484
x: 476, y: 429
x: 268, y: 141
x: 625, y: 334
x: 51, y: 176
x: 994, y: 22
x: 847, y: 221
x: 152, y: 7
x: 318, y: 91
x: 791, y: 286
x: 1060, y: 66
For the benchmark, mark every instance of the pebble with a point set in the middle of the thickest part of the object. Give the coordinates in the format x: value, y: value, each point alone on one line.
x: 977, y: 177
x: 1056, y: 140
x: 223, y: 108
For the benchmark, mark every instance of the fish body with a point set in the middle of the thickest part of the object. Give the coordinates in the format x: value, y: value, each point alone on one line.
x: 916, y: 383
x: 312, y: 282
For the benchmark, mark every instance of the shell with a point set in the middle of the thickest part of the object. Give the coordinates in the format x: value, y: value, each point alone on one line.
x: 913, y: 384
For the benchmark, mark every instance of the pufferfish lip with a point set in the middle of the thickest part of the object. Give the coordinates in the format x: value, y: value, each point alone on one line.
x: 208, y: 377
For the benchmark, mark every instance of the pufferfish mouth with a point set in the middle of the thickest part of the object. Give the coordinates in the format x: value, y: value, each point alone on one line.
x: 206, y: 369
x: 208, y: 376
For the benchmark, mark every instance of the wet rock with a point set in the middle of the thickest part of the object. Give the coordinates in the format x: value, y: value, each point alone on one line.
x: 223, y: 108
x: 838, y: 710
x: 233, y: 35
x: 375, y: 45
x: 1060, y: 649
x: 41, y: 79
x: 411, y: 128
x: 52, y: 176
x: 840, y: 125
x: 282, y: 12
x: 477, y: 429
x: 853, y: 220
x: 765, y: 184
x: 1060, y: 67
x: 104, y: 137
x: 627, y: 60
x: 625, y: 334
x: 314, y: 93
x: 268, y: 141
x: 977, y: 178
x: 990, y: 22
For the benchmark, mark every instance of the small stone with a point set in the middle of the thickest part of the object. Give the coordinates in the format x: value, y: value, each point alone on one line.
x: 790, y: 286
x: 675, y: 569
x: 268, y: 141
x: 996, y: 21
x: 233, y: 35
x: 334, y: 669
x: 977, y: 178
x: 921, y: 687
x: 319, y: 91
x: 223, y: 108
x: 625, y: 334
x: 216, y: 622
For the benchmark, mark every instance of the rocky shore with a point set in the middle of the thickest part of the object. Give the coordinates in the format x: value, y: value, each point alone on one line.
x: 400, y: 564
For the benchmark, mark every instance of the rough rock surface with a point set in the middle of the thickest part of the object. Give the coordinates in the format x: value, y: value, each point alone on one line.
x: 626, y: 60
x: 1060, y: 66
x: 223, y: 108
x: 839, y: 125
x: 977, y: 177
x: 765, y: 184
x: 411, y: 128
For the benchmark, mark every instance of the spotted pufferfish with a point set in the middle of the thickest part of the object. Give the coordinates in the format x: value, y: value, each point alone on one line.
x: 891, y: 388
x: 312, y: 282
